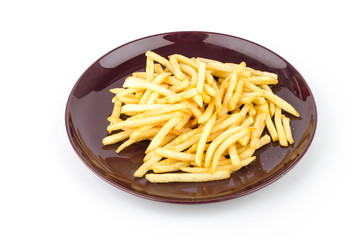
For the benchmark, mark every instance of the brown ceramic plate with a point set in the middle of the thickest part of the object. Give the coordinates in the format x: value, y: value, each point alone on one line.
x: 89, y: 105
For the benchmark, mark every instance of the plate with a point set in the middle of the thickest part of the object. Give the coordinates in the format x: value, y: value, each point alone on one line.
x: 89, y: 105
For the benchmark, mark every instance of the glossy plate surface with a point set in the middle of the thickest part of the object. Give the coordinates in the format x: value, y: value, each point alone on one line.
x: 89, y: 105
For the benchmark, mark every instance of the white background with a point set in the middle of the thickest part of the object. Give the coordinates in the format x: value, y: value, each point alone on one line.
x: 48, y: 193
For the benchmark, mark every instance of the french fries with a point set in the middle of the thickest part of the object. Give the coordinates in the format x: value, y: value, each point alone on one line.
x: 204, y: 118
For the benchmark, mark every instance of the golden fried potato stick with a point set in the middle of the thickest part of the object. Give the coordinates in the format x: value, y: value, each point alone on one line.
x: 160, y: 59
x: 288, y: 131
x: 175, y: 154
x: 162, y: 134
x: 279, y: 126
x: 206, y: 115
x: 230, y: 89
x: 182, y: 85
x: 226, y: 144
x: 150, y: 69
x: 262, y: 80
x: 261, y: 73
x: 200, y: 77
x: 237, y: 93
x: 141, y: 121
x: 202, y: 142
x: 219, y: 140
x: 219, y: 67
x: 187, y: 177
x: 134, y: 108
x: 117, y: 137
x: 178, y: 97
x: 137, y: 83
x: 258, y: 124
x: 125, y: 144
x: 183, y: 121
x: 191, y: 72
x: 274, y: 98
x: 235, y: 160
x: 186, y: 60
x: 176, y: 67
x: 209, y: 90
x: 157, y: 168
x: 113, y: 120
x: 158, y: 68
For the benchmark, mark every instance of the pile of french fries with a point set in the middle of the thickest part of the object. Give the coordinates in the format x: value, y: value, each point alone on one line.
x: 204, y: 118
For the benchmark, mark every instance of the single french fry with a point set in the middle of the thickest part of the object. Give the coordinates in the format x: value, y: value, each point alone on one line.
x: 195, y: 169
x: 171, y: 80
x: 246, y: 123
x: 274, y: 98
x: 261, y: 73
x: 235, y: 160
x: 127, y: 143
x: 198, y: 99
x: 219, y: 140
x: 243, y: 163
x: 220, y: 67
x: 191, y: 72
x: 262, y: 80
x: 143, y: 84
x: 209, y: 90
x: 128, y: 100
x: 158, y: 68
x: 125, y: 92
x: 113, y: 120
x: 152, y: 98
x: 133, y: 108
x: 175, y: 154
x: 178, y: 97
x: 247, y: 153
x: 140, y: 121
x: 186, y: 60
x: 230, y: 120
x: 201, y: 77
x: 271, y: 128
x: 160, y: 59
x: 202, y: 142
x: 263, y: 141
x: 156, y: 81
x: 169, y: 168
x: 176, y: 67
x: 117, y: 137
x: 150, y: 69
x: 183, y: 121
x: 205, y: 98
x: 182, y: 85
x: 235, y: 97
x: 287, y: 129
x: 167, y: 109
x: 147, y: 165
x: 258, y: 123
x: 140, y: 134
x: 226, y: 144
x: 162, y: 134
x: 195, y: 111
x: 207, y: 114
x: 117, y: 90
x: 252, y: 111
x: 187, y: 177
x: 279, y: 127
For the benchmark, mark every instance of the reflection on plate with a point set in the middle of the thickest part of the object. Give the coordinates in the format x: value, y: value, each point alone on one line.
x: 89, y: 105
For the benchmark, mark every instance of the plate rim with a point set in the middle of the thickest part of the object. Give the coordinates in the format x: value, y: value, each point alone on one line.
x: 191, y: 201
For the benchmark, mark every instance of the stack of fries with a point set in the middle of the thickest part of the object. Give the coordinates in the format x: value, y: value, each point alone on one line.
x: 204, y: 118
